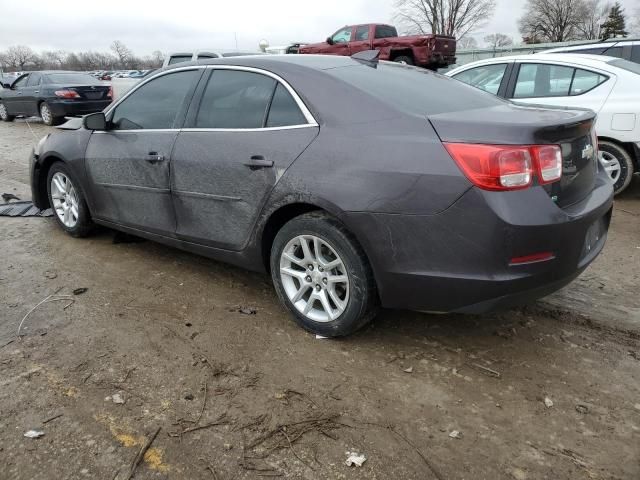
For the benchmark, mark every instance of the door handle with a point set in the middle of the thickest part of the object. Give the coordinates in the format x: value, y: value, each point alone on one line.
x: 37, y: 91
x: 258, y: 161
x: 154, y: 158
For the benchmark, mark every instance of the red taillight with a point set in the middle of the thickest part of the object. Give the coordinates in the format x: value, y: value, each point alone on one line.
x: 110, y: 92
x: 66, y: 94
x: 507, y: 167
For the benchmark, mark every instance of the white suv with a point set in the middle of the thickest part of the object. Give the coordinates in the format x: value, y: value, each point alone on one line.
x: 606, y: 85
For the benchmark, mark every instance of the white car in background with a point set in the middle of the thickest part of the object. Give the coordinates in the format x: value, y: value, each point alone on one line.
x: 607, y: 85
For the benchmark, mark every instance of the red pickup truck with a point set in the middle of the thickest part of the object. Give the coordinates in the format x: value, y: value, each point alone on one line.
x: 428, y: 51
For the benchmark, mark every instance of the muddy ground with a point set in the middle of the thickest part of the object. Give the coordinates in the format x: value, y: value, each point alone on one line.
x: 248, y: 396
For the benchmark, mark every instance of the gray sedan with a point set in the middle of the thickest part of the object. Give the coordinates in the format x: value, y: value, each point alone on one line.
x: 354, y: 183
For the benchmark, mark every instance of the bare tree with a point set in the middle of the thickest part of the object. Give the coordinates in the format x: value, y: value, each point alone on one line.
x: 52, y: 59
x: 496, y: 40
x: 18, y: 56
x: 551, y: 20
x: 467, y: 43
x: 444, y: 17
x: 592, y: 15
x: 122, y: 52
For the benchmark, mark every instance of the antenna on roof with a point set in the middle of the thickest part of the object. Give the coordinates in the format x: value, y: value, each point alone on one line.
x: 367, y: 57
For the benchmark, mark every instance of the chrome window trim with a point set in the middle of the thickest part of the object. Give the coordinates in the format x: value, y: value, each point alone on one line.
x: 301, y: 105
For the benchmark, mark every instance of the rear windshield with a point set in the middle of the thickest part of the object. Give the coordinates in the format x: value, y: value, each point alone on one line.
x: 239, y: 54
x: 179, y: 59
x: 70, y: 78
x: 625, y: 65
x: 414, y: 91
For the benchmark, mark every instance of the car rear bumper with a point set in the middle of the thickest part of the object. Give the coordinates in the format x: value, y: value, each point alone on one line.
x: 70, y: 108
x: 460, y: 260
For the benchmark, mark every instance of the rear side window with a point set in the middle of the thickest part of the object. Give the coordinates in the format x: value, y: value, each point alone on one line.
x: 385, y: 31
x: 155, y: 105
x: 34, y: 79
x: 284, y: 110
x: 625, y: 65
x: 613, y: 52
x: 635, y: 54
x: 235, y: 99
x: 538, y: 80
x: 583, y: 81
x: 423, y: 92
x: 485, y: 77
x: 362, y: 33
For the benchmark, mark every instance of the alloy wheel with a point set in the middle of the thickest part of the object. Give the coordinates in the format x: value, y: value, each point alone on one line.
x: 65, y: 199
x: 314, y: 278
x: 45, y: 113
x: 611, y: 165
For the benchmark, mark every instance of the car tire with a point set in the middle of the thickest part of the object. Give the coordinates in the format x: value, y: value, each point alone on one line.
x: 346, y: 287
x: 405, y: 59
x: 4, y: 115
x: 47, y: 115
x: 78, y: 223
x: 618, y: 162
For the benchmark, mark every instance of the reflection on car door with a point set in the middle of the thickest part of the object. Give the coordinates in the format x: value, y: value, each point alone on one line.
x: 128, y: 166
x: 244, y: 129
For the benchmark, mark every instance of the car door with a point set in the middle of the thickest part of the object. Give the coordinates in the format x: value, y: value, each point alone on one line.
x: 341, y: 41
x: 561, y: 85
x: 244, y: 129
x: 360, y: 40
x: 128, y: 165
x: 30, y: 93
x: 13, y: 97
x: 491, y: 78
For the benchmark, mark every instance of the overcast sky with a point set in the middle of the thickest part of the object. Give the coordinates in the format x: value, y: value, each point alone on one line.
x: 148, y: 25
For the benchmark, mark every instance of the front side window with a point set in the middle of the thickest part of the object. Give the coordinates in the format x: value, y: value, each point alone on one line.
x: 362, y: 33
x: 235, y: 99
x: 342, y: 36
x: 486, y: 77
x: 542, y: 80
x: 180, y: 59
x: 155, y: 105
x: 284, y: 110
x: 21, y: 82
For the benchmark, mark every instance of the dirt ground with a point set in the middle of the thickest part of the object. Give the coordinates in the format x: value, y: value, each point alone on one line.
x: 245, y: 396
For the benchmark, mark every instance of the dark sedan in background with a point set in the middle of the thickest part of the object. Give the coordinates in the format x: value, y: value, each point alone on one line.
x: 52, y: 95
x: 314, y: 168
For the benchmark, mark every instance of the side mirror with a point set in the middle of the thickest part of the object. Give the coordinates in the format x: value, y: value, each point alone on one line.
x: 330, y: 41
x: 95, y: 121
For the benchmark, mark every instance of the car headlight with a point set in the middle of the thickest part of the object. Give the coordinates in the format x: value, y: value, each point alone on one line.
x: 38, y: 147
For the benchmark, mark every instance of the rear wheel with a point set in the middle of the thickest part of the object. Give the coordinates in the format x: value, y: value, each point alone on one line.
x: 67, y: 201
x: 47, y: 116
x: 405, y: 59
x: 322, y: 275
x: 4, y: 113
x: 617, y: 163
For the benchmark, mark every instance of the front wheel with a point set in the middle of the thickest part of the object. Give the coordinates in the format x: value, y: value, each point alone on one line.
x: 323, y: 276
x: 67, y: 202
x: 4, y: 113
x: 617, y: 163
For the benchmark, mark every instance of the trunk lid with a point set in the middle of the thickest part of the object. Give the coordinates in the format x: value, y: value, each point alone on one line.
x: 509, y: 124
x: 89, y: 92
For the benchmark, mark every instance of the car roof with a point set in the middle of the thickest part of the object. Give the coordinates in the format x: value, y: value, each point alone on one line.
x: 595, y: 61
x: 315, y: 62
